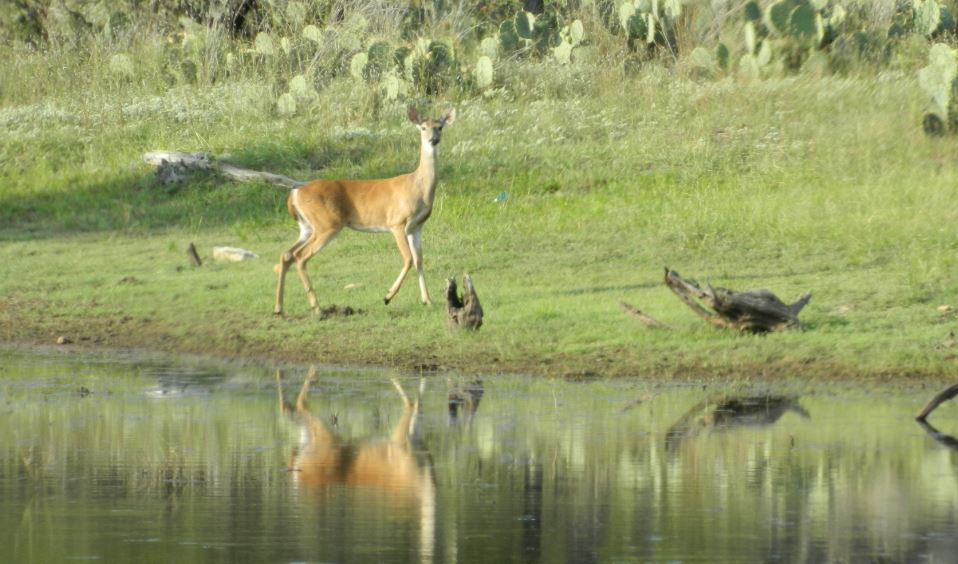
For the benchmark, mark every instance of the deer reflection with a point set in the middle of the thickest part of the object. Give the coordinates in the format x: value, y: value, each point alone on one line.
x: 396, y: 464
x: 725, y: 411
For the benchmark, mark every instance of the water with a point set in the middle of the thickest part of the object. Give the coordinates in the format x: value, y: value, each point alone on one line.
x: 138, y: 459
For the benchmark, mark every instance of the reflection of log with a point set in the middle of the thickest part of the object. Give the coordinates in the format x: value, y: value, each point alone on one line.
x: 942, y: 438
x: 939, y: 399
x: 465, y: 399
x: 175, y: 166
x: 756, y: 311
x: 724, y: 411
x: 464, y: 312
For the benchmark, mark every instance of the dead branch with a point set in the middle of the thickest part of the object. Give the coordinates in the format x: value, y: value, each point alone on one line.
x: 175, y: 166
x: 756, y: 311
x: 940, y: 398
x: 643, y: 317
x: 194, y: 256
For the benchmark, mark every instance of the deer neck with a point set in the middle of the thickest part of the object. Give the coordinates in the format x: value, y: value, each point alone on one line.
x: 425, y: 174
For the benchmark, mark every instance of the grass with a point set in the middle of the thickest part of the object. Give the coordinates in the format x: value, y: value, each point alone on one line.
x: 803, y: 183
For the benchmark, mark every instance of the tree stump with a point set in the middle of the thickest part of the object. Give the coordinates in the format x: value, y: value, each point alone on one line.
x: 465, y: 312
x: 754, y: 311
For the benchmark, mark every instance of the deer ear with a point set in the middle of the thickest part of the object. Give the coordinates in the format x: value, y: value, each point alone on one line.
x: 448, y: 117
x: 414, y: 116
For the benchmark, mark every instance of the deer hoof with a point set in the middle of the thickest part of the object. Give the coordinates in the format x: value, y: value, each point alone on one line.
x: 385, y: 301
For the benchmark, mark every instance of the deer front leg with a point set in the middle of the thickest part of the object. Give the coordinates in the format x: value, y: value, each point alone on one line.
x: 415, y: 241
x: 403, y: 245
x: 285, y: 260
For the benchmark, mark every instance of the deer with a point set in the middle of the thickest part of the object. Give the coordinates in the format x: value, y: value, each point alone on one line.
x: 395, y: 465
x: 399, y: 205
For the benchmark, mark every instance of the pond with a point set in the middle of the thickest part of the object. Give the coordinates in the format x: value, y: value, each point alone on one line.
x: 138, y: 458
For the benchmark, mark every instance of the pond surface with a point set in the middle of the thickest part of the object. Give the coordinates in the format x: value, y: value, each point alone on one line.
x: 139, y: 459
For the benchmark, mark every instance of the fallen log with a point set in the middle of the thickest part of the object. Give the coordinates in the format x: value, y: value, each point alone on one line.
x: 465, y: 312
x: 175, y: 166
x: 754, y: 311
x: 940, y: 398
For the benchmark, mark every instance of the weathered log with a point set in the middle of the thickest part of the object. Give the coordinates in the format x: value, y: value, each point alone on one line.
x: 755, y: 311
x: 175, y: 166
x: 940, y: 398
x: 643, y: 317
x: 464, y: 312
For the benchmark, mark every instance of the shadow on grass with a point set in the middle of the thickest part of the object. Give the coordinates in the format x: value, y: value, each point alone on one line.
x: 134, y: 201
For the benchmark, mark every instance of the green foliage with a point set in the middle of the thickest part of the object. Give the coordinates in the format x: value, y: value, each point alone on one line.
x: 508, y: 37
x: 432, y: 67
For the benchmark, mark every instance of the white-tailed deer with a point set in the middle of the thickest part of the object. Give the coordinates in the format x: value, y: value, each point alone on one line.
x: 392, y: 465
x: 400, y: 205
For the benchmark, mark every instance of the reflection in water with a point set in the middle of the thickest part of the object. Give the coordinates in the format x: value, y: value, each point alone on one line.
x: 724, y: 412
x: 396, y: 466
x: 546, y: 471
x: 465, y: 399
x: 947, y: 440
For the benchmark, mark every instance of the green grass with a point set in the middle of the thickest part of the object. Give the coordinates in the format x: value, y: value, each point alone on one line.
x: 797, y: 184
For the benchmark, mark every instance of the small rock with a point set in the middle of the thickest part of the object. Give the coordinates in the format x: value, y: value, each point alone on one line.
x: 945, y: 308
x: 64, y: 340
x: 352, y: 286
x: 233, y: 254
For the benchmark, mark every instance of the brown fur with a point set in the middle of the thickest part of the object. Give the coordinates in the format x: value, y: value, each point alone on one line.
x: 400, y: 205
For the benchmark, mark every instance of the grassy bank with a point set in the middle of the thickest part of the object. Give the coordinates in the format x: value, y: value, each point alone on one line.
x: 803, y: 183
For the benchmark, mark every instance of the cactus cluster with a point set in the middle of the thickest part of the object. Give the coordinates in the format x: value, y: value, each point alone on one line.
x: 650, y: 23
x: 526, y: 34
x: 939, y: 81
x: 925, y: 17
x: 786, y: 32
x: 542, y: 35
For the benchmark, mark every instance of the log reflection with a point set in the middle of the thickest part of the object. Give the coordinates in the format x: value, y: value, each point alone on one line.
x: 731, y: 411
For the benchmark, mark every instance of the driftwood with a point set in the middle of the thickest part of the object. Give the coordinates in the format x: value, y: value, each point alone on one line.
x: 756, y: 311
x: 940, y: 398
x: 726, y: 411
x: 464, y: 312
x: 643, y: 317
x: 175, y: 166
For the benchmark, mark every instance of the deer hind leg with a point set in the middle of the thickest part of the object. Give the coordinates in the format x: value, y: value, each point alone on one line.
x: 415, y: 242
x: 286, y: 259
x: 301, y: 256
x: 403, y: 245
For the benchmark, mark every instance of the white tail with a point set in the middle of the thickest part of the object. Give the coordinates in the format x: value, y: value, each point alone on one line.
x: 400, y: 205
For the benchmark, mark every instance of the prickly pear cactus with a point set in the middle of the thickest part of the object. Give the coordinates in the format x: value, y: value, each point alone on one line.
x: 484, y: 72
x: 939, y: 81
x: 508, y: 37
